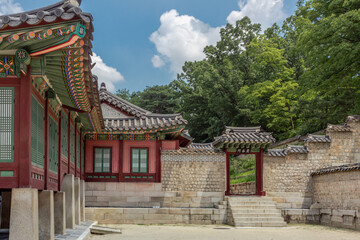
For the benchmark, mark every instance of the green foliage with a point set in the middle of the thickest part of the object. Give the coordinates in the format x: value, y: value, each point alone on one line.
x: 291, y: 79
x: 157, y: 99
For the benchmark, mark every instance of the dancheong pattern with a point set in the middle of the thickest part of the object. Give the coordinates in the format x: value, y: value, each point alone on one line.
x: 7, y: 66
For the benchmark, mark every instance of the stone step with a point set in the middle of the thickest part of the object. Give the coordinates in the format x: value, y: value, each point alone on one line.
x: 249, y: 199
x: 253, y: 204
x: 258, y: 219
x: 261, y: 224
x: 254, y: 211
x: 242, y: 215
x: 238, y: 206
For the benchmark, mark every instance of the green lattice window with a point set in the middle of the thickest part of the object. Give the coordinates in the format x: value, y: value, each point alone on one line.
x: 102, y: 160
x: 37, y: 133
x: 139, y: 160
x: 78, y: 151
x: 72, y: 144
x: 7, y: 95
x: 64, y: 135
x: 53, y: 145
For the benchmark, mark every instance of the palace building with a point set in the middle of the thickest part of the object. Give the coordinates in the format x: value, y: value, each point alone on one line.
x: 67, y: 143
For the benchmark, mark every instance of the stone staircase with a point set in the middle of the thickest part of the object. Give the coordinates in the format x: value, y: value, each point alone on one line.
x: 253, y: 211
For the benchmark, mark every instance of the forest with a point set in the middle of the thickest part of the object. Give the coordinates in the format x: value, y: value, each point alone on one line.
x: 291, y: 79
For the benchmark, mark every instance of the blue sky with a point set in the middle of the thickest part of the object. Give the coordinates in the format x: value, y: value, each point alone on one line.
x: 141, y: 43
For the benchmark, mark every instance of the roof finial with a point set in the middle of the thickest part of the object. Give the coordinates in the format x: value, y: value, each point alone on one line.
x: 103, y: 87
x: 75, y: 3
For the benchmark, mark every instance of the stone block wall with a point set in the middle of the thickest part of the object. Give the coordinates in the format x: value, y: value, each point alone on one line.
x: 157, y: 215
x: 288, y: 178
x: 146, y: 195
x: 199, y: 172
x: 336, y: 195
x: 243, y: 188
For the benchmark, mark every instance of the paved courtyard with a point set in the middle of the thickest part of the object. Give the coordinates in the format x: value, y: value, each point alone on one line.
x: 211, y: 232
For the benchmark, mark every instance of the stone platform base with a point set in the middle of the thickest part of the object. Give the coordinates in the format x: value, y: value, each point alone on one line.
x: 329, y: 217
x: 79, y: 233
x: 156, y: 215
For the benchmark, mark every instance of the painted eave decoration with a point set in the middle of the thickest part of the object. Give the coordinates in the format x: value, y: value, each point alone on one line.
x: 56, y: 42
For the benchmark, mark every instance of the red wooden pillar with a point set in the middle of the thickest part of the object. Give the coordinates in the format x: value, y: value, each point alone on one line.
x: 46, y: 141
x: 121, y: 160
x: 84, y: 158
x: 227, y: 192
x: 59, y: 152
x: 69, y: 144
x: 158, y: 160
x: 25, y: 130
x: 75, y: 149
x: 259, y: 174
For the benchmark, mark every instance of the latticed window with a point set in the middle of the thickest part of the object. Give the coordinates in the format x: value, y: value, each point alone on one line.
x: 72, y: 144
x: 53, y: 145
x: 78, y: 151
x: 139, y: 160
x: 6, y: 124
x: 37, y: 133
x: 102, y: 160
x: 64, y: 135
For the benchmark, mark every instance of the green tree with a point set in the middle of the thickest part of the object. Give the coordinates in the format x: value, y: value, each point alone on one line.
x: 157, y: 99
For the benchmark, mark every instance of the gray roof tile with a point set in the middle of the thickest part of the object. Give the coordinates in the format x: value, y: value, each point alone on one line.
x: 141, y: 119
x: 342, y: 168
x: 317, y: 138
x: 251, y: 135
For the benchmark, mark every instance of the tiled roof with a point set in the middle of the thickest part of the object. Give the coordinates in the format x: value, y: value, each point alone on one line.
x: 193, y: 151
x: 141, y: 119
x: 247, y: 135
x: 207, y: 146
x: 318, y: 138
x: 353, y: 118
x: 339, y: 128
x: 63, y: 10
x: 342, y: 168
x: 285, y: 151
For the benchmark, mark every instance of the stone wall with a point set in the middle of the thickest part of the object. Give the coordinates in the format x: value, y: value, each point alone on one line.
x: 243, y: 188
x: 288, y: 178
x: 146, y: 195
x: 193, y: 171
x: 337, y: 196
x: 157, y: 215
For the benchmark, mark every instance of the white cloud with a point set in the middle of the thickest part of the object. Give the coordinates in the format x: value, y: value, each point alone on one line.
x: 181, y: 38
x: 157, y: 61
x: 265, y: 12
x: 9, y: 7
x: 108, y: 75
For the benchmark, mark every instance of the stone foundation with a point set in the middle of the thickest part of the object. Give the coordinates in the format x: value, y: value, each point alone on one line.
x: 156, y: 215
x: 337, y: 195
x: 243, y: 188
x: 108, y: 194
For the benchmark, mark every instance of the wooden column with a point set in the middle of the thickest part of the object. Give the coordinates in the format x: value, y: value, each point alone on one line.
x: 121, y: 160
x: 75, y: 149
x: 85, y: 158
x: 158, y: 160
x: 25, y: 130
x: 46, y: 141
x: 59, y: 152
x: 69, y: 144
x: 227, y: 192
x: 259, y: 173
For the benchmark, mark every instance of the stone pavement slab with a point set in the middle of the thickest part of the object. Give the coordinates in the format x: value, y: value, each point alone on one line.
x: 80, y: 232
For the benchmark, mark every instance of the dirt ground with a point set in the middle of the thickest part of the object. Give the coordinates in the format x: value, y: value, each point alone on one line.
x: 222, y: 232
